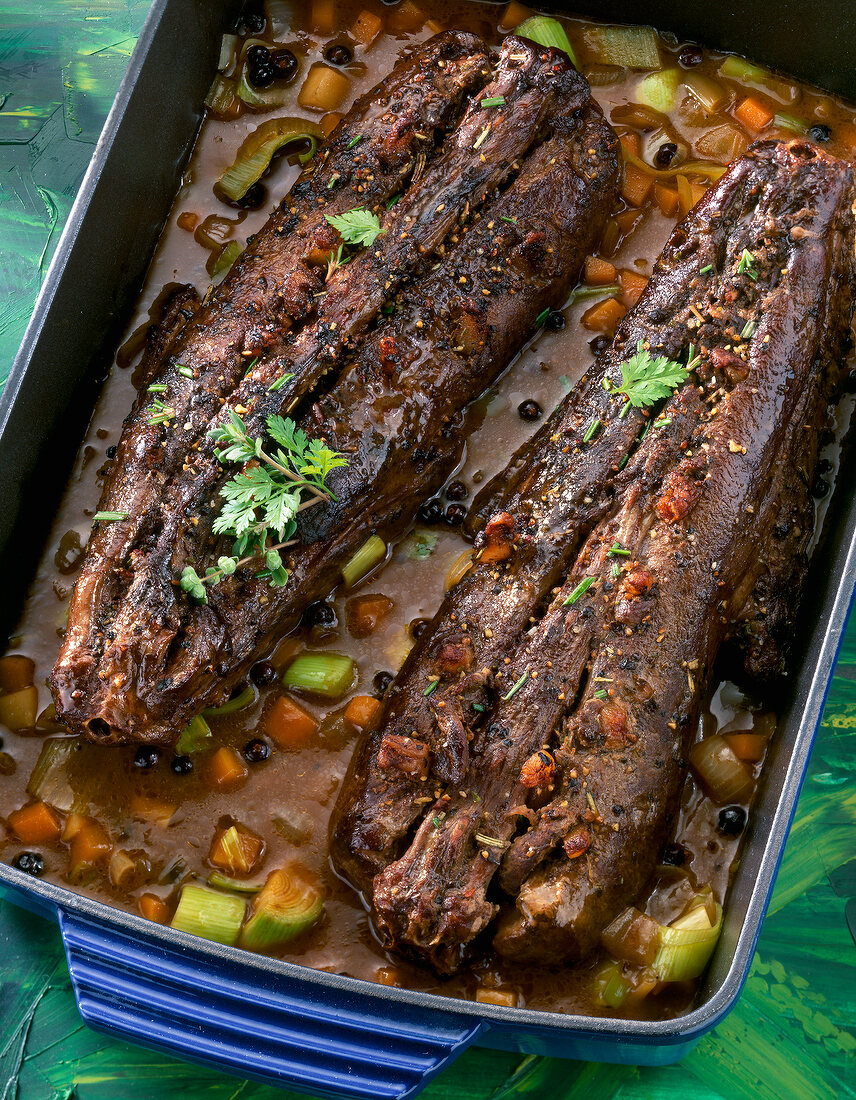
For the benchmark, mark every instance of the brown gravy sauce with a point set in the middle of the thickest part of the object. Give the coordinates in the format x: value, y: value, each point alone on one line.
x: 288, y: 798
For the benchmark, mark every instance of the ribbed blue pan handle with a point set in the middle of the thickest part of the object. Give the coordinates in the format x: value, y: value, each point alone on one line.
x: 281, y: 1030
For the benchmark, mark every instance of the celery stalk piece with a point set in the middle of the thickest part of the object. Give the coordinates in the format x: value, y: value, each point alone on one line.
x: 738, y: 68
x: 659, y: 90
x: 195, y: 736
x: 330, y: 675
x: 630, y: 47
x: 792, y: 123
x: 284, y: 909
x: 546, y: 32
x: 209, y: 914
x: 226, y: 257
x: 225, y: 882
x: 245, y: 699
x: 688, y: 942
x: 257, y: 151
x: 370, y: 554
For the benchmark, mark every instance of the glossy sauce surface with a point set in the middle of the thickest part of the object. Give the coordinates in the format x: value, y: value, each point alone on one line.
x: 286, y: 798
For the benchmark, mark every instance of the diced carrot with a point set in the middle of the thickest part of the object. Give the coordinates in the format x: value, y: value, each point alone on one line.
x: 754, y: 114
x: 323, y: 89
x: 328, y: 124
x: 746, y: 745
x: 288, y: 724
x: 37, y: 823
x: 89, y: 847
x: 16, y: 672
x: 637, y: 185
x: 632, y: 286
x: 604, y: 316
x: 364, y: 614
x: 599, y: 272
x: 667, y: 199
x: 406, y: 17
x: 154, y: 908
x: 698, y: 190
x: 367, y: 26
x: 362, y: 710
x: 631, y: 142
x: 627, y: 221
x: 154, y: 810
x: 225, y: 768
x: 322, y: 16
x: 514, y: 15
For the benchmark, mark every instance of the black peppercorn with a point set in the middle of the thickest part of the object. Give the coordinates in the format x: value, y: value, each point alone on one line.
x: 555, y: 320
x: 457, y: 490
x: 262, y: 673
x: 146, y: 757
x: 256, y: 750
x: 599, y: 344
x: 819, y: 132
x: 251, y: 20
x: 31, y: 863
x: 820, y: 487
x: 111, y: 452
x: 417, y: 627
x: 731, y: 820
x: 455, y: 515
x: 339, y: 55
x: 321, y: 614
x: 672, y: 855
x: 824, y: 466
x: 529, y: 410
x: 284, y: 64
x: 665, y: 154
x: 182, y: 765
x: 690, y: 56
x: 431, y: 512
x: 381, y: 682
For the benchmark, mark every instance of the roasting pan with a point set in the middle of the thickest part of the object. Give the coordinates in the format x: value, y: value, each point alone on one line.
x: 264, y: 1018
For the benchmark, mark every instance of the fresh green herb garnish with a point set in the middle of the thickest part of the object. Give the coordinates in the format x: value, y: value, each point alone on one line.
x: 747, y: 264
x: 358, y: 226
x: 159, y: 413
x: 277, y: 385
x: 479, y: 707
x: 156, y: 387
x: 431, y: 687
x: 542, y: 317
x: 494, y: 101
x: 748, y: 329
x: 109, y: 517
x: 515, y: 687
x: 616, y: 569
x: 581, y: 589
x: 704, y: 270
x: 616, y: 551
x: 480, y: 140
x: 591, y: 430
x: 262, y: 501
x: 186, y: 372
x: 600, y: 694
x: 645, y: 380
x: 354, y: 141
x: 334, y: 260
x: 505, y: 218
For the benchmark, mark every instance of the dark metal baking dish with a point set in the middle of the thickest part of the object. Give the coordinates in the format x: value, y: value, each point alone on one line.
x: 261, y: 1017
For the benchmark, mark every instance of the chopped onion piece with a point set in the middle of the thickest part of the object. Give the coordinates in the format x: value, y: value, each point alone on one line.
x: 724, y: 775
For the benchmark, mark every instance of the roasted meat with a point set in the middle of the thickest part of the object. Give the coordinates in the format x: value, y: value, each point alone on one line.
x: 551, y: 763
x: 466, y: 279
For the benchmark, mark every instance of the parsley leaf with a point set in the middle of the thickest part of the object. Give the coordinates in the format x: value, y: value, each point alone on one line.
x: 747, y: 264
x: 358, y: 226
x: 645, y: 380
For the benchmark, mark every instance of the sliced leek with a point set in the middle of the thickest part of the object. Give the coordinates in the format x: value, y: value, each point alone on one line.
x: 225, y: 258
x: 286, y: 907
x: 195, y: 736
x: 659, y: 90
x: 209, y: 914
x: 630, y: 47
x: 688, y: 942
x: 225, y: 882
x: 237, y: 702
x: 369, y: 555
x: 330, y: 675
x: 258, y: 149
x: 50, y: 780
x: 546, y: 32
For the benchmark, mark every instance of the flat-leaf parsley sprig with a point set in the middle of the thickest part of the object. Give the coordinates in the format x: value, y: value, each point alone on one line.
x: 645, y: 380
x: 262, y: 501
x: 358, y: 227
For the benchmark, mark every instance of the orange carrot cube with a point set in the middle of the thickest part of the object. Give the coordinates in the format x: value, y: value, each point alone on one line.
x: 604, y: 316
x: 362, y: 710
x: 599, y: 272
x: 36, y: 824
x: 632, y: 286
x: 754, y: 114
x: 288, y: 724
x: 225, y: 768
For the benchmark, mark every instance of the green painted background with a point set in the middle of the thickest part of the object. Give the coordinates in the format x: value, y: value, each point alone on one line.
x: 793, y: 1033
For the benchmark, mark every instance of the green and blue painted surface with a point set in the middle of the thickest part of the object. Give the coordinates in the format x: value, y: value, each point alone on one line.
x: 792, y: 1035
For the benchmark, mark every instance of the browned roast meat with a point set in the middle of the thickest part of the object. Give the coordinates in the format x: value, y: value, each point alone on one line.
x: 553, y: 490
x: 395, y: 411
x: 593, y: 709
x: 271, y: 289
